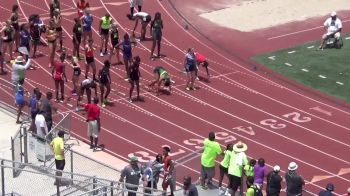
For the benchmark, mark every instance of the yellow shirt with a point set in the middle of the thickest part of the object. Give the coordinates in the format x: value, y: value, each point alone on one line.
x: 106, y: 23
x: 58, y: 146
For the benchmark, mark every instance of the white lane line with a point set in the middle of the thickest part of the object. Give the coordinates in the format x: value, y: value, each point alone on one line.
x: 272, y: 57
x: 347, y: 38
x: 310, y: 47
x: 288, y: 64
x: 305, y: 70
x: 291, y: 52
x: 340, y: 83
x: 321, y: 76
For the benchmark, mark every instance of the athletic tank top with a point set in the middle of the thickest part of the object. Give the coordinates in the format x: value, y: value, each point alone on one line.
x: 127, y: 47
x: 106, y: 22
x: 115, y: 36
x: 89, y: 52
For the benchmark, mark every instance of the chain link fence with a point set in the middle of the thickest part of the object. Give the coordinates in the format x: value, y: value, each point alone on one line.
x: 36, y: 180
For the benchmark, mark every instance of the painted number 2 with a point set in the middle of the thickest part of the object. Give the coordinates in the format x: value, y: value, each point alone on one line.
x: 296, y: 117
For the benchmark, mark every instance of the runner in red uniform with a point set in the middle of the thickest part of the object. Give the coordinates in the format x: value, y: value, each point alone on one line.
x: 201, y: 60
x: 82, y: 5
x: 90, y: 60
x: 59, y: 75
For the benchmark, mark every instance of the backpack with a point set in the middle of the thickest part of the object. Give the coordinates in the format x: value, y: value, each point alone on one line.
x: 104, y: 76
x: 257, y: 191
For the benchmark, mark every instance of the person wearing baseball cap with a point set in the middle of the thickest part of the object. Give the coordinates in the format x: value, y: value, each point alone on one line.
x: 333, y: 26
x: 132, y: 174
x: 294, y: 181
x: 273, y: 179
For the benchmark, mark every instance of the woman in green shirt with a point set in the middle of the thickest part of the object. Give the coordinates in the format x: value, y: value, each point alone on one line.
x: 224, y: 165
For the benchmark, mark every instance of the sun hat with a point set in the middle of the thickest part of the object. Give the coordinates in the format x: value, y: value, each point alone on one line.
x: 19, y: 59
x: 333, y: 13
x: 292, y: 166
x: 276, y: 168
x: 133, y: 158
x: 240, y: 147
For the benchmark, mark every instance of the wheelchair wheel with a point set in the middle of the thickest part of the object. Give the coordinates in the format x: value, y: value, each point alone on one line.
x: 339, y: 43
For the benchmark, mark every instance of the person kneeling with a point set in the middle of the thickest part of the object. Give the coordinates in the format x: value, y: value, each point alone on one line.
x: 161, y: 76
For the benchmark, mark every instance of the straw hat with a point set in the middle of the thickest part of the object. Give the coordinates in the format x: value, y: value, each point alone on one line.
x: 240, y: 147
x: 19, y: 59
x: 292, y: 166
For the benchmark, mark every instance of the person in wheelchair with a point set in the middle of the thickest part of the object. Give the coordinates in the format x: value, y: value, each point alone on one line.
x: 333, y: 26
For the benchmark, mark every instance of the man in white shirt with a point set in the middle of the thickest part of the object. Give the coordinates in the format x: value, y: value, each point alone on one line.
x: 333, y: 26
x: 40, y: 123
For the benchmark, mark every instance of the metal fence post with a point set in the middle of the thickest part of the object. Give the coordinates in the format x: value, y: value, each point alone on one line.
x: 112, y: 188
x: 13, y: 156
x: 2, y: 178
x: 20, y: 143
x: 71, y: 162
x: 94, y: 181
x: 25, y: 143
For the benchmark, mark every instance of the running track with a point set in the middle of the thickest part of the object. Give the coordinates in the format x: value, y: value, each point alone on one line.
x: 274, y: 117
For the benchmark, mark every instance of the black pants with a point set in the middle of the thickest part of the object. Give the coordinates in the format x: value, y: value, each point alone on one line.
x: 59, y: 166
x: 149, y: 185
x: 133, y: 189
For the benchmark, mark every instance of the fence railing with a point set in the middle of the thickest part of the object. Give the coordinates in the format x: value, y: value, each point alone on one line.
x: 67, y: 183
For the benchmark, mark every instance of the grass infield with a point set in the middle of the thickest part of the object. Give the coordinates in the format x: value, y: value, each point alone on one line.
x: 326, y: 70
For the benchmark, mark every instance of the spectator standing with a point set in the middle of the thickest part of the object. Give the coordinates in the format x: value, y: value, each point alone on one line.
x: 57, y: 146
x: 132, y: 174
x: 34, y: 104
x: 238, y: 160
x: 329, y: 190
x: 94, y: 123
x: 156, y: 32
x: 273, y: 182
x: 249, y: 169
x: 46, y: 107
x: 259, y: 172
x: 41, y: 126
x: 189, y: 188
x: 18, y: 70
x: 169, y: 172
x: 152, y: 172
x: 223, y: 167
x: 294, y: 181
x: 211, y: 150
x: 19, y: 99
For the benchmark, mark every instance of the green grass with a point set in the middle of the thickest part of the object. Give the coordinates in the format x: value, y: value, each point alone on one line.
x: 332, y: 63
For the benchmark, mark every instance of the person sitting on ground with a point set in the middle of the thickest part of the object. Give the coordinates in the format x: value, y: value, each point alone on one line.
x: 329, y: 190
x: 189, y: 188
x: 333, y: 26
x: 145, y: 19
x: 161, y: 76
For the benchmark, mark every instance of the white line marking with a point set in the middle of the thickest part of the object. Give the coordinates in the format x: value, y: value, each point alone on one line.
x: 288, y: 64
x: 310, y: 47
x: 297, y: 32
x: 70, y: 105
x: 321, y: 76
x: 272, y: 57
x: 340, y: 83
x: 347, y: 38
x: 291, y: 52
x: 305, y: 70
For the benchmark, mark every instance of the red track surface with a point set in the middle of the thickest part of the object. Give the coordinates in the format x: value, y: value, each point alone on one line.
x: 234, y: 97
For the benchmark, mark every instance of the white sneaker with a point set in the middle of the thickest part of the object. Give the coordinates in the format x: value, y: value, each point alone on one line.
x: 227, y: 193
x: 197, y: 78
x: 101, y: 54
x: 222, y: 191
